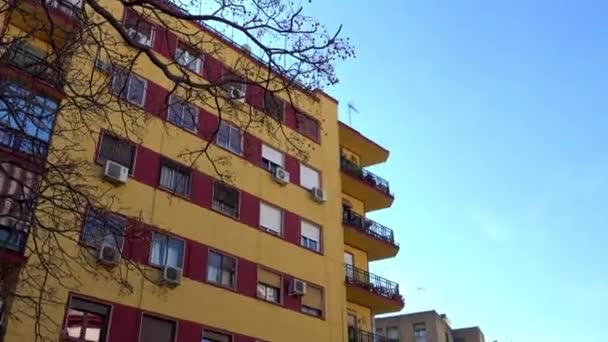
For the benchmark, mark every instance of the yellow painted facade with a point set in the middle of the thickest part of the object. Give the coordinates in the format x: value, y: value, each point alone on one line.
x: 211, y: 305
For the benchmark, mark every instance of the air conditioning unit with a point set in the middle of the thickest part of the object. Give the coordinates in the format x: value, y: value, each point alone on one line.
x: 103, y: 66
x: 172, y: 275
x: 115, y: 172
x: 108, y: 255
x: 236, y: 93
x: 138, y: 36
x: 318, y: 195
x: 280, y: 175
x: 297, y: 287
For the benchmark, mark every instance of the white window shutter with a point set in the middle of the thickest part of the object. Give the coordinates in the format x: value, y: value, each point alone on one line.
x: 273, y: 155
x: 309, y: 178
x: 311, y: 231
x: 270, y: 218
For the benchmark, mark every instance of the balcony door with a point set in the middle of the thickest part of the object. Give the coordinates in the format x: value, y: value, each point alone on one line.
x: 349, y: 262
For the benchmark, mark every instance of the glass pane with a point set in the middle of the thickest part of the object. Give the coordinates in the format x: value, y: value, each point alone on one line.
x: 136, y: 90
x: 223, y: 135
x: 158, y: 250
x: 190, y: 117
x: 175, y: 253
x: 175, y: 112
x: 119, y: 84
x: 182, y: 182
x: 227, y: 278
x: 167, y: 177
x: 235, y: 140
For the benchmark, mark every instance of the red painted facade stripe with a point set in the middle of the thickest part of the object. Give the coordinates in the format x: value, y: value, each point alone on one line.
x: 147, y: 171
x: 292, y: 165
x: 195, y: 265
x: 125, y: 323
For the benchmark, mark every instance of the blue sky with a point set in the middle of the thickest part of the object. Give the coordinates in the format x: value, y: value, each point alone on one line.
x: 495, y: 115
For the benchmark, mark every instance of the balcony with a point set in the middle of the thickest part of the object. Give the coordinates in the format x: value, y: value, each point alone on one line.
x: 375, y: 292
x: 358, y: 335
x: 368, y: 151
x: 377, y: 240
x: 33, y: 62
x: 360, y: 183
x: 47, y: 20
x: 17, y: 141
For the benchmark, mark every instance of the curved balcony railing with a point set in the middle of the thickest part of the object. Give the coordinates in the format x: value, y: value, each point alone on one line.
x: 26, y: 59
x: 366, y: 176
x: 358, y: 335
x: 369, y: 227
x: 372, y: 282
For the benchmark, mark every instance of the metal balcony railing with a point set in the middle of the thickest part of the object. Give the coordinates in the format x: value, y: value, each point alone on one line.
x: 366, y: 176
x: 369, y: 227
x: 12, y: 239
x: 26, y: 59
x: 372, y: 282
x: 65, y: 6
x: 358, y: 335
x: 21, y: 142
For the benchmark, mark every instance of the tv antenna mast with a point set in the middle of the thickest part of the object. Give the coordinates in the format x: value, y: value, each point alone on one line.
x: 351, y: 109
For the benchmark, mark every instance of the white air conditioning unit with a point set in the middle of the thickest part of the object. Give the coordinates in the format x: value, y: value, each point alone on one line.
x: 108, y: 255
x: 318, y: 195
x: 297, y: 287
x: 138, y: 36
x: 172, y: 275
x: 280, y: 175
x: 115, y: 172
x: 236, y: 93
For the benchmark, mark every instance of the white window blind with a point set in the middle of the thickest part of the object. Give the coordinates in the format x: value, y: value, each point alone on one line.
x: 309, y: 178
x: 311, y: 231
x: 270, y: 218
x: 272, y: 155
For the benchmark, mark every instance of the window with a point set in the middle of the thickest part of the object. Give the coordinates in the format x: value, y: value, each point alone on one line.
x: 175, y: 178
x: 309, y: 177
x: 307, y: 126
x: 419, y: 332
x: 271, y: 219
x: 230, y: 138
x: 271, y: 158
x: 182, y: 114
x: 380, y: 331
x: 117, y: 150
x: 274, y: 106
x: 460, y: 339
x: 311, y: 236
x: 226, y: 199
x: 447, y: 337
x: 392, y: 334
x: 188, y: 58
x: 100, y: 229
x: 212, y: 336
x: 166, y: 251
x: 221, y: 269
x: 26, y: 119
x: 86, y: 321
x: 138, y: 29
x: 269, y: 285
x: 129, y: 87
x: 154, y: 329
x: 351, y: 320
x: 312, y: 301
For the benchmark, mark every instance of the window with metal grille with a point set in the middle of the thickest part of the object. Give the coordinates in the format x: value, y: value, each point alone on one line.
x: 117, y: 150
x: 226, y: 199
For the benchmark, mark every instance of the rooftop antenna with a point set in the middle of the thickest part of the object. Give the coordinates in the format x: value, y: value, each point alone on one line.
x: 351, y: 108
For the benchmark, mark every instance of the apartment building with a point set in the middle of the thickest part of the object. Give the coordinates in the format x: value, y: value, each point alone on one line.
x: 280, y: 252
x: 426, y: 326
